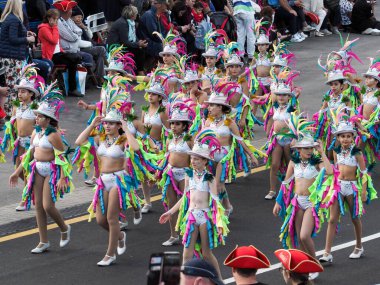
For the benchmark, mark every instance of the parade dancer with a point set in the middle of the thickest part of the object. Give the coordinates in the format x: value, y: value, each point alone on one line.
x: 177, y: 160
x: 302, y: 218
x: 121, y: 65
x: 155, y: 120
x: 283, y: 60
x: 262, y: 60
x: 201, y: 218
x: 21, y: 125
x: 229, y: 136
x: 349, y: 187
x: 190, y: 87
x: 115, y: 190
x: 173, y: 48
x: 244, y: 84
x: 47, y: 169
x: 331, y: 101
x: 214, y: 41
x: 279, y: 139
x: 369, y: 114
x: 344, y: 57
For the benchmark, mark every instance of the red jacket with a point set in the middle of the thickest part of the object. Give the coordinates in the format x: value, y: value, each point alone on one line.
x: 49, y: 37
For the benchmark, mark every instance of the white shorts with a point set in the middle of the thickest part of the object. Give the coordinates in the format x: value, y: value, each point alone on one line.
x: 43, y: 168
x: 304, y: 202
x: 199, y: 216
x: 179, y: 173
x: 109, y: 179
x: 346, y: 187
x: 219, y: 155
x: 24, y: 142
x: 266, y: 81
x: 284, y: 141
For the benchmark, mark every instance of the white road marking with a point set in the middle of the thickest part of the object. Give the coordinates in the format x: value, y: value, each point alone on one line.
x: 318, y: 253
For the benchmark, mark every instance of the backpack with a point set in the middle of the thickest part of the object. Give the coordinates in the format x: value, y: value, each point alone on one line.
x: 202, y: 29
x: 224, y: 21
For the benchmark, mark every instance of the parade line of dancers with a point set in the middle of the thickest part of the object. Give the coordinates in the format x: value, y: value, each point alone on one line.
x: 194, y: 135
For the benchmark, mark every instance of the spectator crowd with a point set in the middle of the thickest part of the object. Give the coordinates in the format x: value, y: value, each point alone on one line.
x: 55, y: 34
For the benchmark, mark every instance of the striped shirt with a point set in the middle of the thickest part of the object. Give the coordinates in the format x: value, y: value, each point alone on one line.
x: 243, y: 6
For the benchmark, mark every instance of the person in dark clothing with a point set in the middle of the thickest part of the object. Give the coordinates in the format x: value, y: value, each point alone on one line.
x: 245, y: 261
x: 36, y: 9
x: 363, y: 20
x: 112, y: 8
x: 333, y: 14
x: 86, y: 45
x: 123, y: 32
x: 182, y: 17
x: 14, y: 41
x: 150, y: 23
x: 89, y: 7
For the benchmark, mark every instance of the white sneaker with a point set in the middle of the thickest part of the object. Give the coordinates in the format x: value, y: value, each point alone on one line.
x: 108, y: 262
x: 326, y: 257
x: 20, y: 208
x: 64, y: 242
x: 137, y: 221
x: 41, y: 247
x: 313, y: 275
x: 357, y: 253
x: 326, y: 32
x: 171, y: 241
x: 308, y: 28
x: 296, y: 39
x: 123, y: 225
x: 122, y: 249
x: 319, y: 34
x: 367, y: 31
x: 375, y: 32
x: 271, y: 195
x: 146, y: 208
x: 90, y: 182
x: 303, y: 35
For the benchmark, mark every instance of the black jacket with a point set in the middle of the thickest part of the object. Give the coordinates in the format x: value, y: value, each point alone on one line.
x: 112, y: 8
x: 118, y: 34
x: 13, y: 43
x: 361, y: 16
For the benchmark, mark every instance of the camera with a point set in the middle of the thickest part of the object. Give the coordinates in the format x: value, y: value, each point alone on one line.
x: 164, y: 267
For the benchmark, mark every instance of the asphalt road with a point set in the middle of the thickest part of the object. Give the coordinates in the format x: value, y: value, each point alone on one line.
x: 251, y: 223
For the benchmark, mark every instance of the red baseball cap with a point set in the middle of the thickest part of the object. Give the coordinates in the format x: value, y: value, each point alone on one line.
x: 65, y: 5
x: 247, y: 257
x: 298, y: 261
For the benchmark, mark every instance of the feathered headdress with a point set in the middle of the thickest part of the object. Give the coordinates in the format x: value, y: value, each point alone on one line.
x: 282, y: 56
x: 299, y: 126
x: 51, y: 102
x: 341, y: 121
x: 183, y: 111
x: 229, y: 89
x: 216, y: 38
x: 374, y: 69
x: 29, y: 79
x: 206, y: 144
x: 172, y: 44
x: 345, y: 53
x: 119, y: 60
x: 262, y: 31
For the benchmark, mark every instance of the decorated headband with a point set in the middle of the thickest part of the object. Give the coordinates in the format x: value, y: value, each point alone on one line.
x: 120, y: 60
x: 175, y: 42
